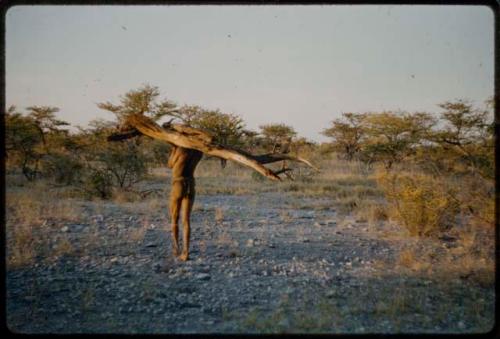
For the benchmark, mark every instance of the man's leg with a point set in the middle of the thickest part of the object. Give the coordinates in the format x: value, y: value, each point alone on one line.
x: 187, y: 205
x: 175, y: 206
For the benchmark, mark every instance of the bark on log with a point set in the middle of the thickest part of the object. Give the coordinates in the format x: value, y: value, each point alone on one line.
x: 148, y: 127
x: 188, y: 137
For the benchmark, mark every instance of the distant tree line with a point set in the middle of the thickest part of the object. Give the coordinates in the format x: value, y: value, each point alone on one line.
x: 39, y: 145
x: 436, y: 168
x: 461, y: 134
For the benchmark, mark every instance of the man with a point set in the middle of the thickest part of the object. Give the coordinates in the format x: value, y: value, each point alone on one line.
x: 183, y: 162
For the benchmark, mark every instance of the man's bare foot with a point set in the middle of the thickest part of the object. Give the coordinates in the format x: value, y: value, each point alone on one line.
x: 184, y: 256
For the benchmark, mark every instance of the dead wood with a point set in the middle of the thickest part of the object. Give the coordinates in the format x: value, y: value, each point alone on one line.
x: 188, y: 137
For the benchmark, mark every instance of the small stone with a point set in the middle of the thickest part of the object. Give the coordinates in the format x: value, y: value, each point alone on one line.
x: 114, y: 259
x: 203, y: 276
x: 151, y: 244
x: 250, y: 243
x: 305, y: 240
x: 65, y: 229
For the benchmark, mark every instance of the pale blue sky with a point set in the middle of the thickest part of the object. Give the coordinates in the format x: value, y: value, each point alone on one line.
x: 300, y: 65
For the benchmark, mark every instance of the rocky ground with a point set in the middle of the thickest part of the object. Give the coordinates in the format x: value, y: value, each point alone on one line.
x: 259, y: 263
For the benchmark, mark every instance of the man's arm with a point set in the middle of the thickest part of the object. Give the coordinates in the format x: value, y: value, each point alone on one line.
x: 172, y: 157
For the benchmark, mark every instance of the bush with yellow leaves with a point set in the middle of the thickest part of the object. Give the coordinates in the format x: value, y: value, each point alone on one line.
x: 423, y: 204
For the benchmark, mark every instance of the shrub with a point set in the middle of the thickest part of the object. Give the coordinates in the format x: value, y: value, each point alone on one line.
x: 424, y: 205
x: 97, y: 183
x: 62, y: 168
x: 125, y: 162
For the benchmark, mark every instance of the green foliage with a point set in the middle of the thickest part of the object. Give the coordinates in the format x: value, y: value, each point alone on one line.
x: 347, y: 134
x: 97, y: 183
x: 63, y: 168
x: 29, y: 138
x: 392, y: 137
x: 227, y: 129
x: 109, y: 164
x: 125, y: 162
x: 276, y: 135
x: 467, y: 138
x: 275, y: 132
x: 45, y: 121
x: 140, y: 101
x: 157, y: 151
x: 186, y: 114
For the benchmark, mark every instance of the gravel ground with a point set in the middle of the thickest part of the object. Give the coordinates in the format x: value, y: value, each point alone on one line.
x: 263, y: 263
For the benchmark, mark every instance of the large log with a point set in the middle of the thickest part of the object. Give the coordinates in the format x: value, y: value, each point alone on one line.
x: 188, y: 137
x: 148, y: 127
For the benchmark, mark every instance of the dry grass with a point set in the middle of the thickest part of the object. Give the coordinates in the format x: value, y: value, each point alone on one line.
x: 372, y: 211
x: 123, y: 196
x: 63, y: 247
x: 38, y: 204
x: 219, y: 215
x: 31, y: 213
x: 414, y: 260
x: 470, y: 257
x: 137, y: 234
x: 21, y: 248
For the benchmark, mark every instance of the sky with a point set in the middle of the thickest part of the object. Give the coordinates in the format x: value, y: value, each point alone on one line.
x: 299, y: 65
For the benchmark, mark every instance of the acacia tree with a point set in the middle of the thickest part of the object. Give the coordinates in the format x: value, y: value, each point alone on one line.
x: 467, y: 136
x: 277, y: 135
x: 33, y: 137
x: 347, y: 134
x: 227, y: 129
x: 392, y: 137
x: 21, y: 141
x: 143, y: 100
x: 186, y: 113
x: 47, y: 125
x: 106, y: 166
